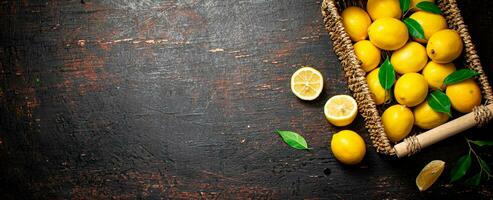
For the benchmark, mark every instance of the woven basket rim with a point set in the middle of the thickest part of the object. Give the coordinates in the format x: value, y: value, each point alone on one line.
x: 342, y: 46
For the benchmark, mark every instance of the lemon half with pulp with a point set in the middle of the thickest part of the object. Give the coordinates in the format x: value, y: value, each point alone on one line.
x: 307, y: 83
x: 340, y: 110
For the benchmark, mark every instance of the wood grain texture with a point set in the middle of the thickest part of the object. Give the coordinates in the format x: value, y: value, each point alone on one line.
x: 178, y: 99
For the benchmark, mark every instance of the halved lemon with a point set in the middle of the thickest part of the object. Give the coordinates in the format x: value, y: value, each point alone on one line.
x: 307, y: 83
x: 429, y: 174
x: 340, y: 110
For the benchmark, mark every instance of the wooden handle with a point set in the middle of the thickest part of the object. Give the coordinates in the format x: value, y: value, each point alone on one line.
x: 439, y: 133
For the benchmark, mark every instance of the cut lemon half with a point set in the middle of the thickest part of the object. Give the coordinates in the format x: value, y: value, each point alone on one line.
x: 429, y: 174
x: 340, y: 110
x: 307, y: 83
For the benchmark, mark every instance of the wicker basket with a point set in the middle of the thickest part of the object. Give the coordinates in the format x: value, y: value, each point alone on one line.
x: 355, y: 75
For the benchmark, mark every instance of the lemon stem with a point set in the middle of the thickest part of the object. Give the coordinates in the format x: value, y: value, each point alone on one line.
x: 405, y: 13
x: 471, y: 150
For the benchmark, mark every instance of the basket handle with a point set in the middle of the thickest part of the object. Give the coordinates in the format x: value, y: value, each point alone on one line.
x: 480, y: 116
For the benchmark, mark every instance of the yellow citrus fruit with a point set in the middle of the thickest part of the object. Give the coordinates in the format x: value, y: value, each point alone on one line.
x: 388, y: 33
x: 444, y: 46
x: 430, y: 22
x: 427, y: 118
x: 383, y: 8
x: 368, y: 54
x: 379, y: 94
x: 356, y: 22
x: 464, y: 96
x: 397, y: 122
x: 410, y: 58
x: 435, y: 73
x: 307, y: 83
x: 340, y: 110
x: 414, y: 2
x: 429, y: 174
x: 348, y: 147
x: 410, y: 89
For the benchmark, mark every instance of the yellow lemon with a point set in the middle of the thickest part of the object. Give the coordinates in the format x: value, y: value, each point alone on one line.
x: 307, y: 83
x: 444, y: 46
x: 368, y: 54
x: 340, y: 110
x: 356, y: 22
x: 388, y: 33
x: 397, y: 122
x: 464, y: 96
x: 383, y: 8
x: 348, y: 147
x: 379, y: 94
x: 414, y: 2
x: 429, y: 174
x: 410, y: 58
x: 435, y: 73
x: 430, y: 22
x: 427, y: 118
x: 410, y: 89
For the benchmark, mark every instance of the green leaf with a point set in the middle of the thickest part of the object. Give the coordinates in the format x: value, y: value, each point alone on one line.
x: 461, y: 167
x: 392, y: 97
x: 429, y: 7
x: 474, y: 180
x: 459, y: 75
x: 484, y: 165
x: 404, y: 5
x: 414, y: 28
x: 439, y: 102
x: 293, y: 139
x: 386, y: 74
x: 481, y: 143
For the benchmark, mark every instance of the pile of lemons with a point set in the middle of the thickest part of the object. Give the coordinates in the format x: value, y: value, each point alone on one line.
x: 421, y: 64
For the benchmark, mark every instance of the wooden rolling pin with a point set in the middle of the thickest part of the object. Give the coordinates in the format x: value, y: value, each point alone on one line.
x: 437, y: 134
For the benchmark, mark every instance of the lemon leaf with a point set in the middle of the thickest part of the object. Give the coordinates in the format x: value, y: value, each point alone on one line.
x: 386, y: 74
x: 474, y: 180
x: 484, y: 165
x: 460, y: 169
x: 404, y: 5
x: 481, y: 143
x: 293, y: 139
x: 429, y: 7
x: 414, y: 28
x: 459, y: 76
x: 439, y: 102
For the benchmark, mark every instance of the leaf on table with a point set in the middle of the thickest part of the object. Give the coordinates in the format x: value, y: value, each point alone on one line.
x: 474, y: 180
x: 404, y: 5
x: 484, y: 165
x: 461, y: 167
x: 429, y: 7
x: 439, y: 102
x: 414, y: 28
x: 293, y: 139
x: 386, y: 74
x: 481, y: 143
x: 459, y: 76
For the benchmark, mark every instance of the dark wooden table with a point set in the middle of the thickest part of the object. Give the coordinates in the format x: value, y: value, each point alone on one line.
x: 125, y: 99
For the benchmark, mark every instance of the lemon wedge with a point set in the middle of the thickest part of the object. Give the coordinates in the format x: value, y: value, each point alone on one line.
x: 340, y: 110
x: 429, y: 174
x: 307, y: 83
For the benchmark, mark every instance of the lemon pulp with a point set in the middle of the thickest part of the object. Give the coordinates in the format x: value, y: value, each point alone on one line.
x: 307, y: 83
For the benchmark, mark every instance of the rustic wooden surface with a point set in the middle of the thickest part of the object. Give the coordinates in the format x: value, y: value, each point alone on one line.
x: 156, y: 99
